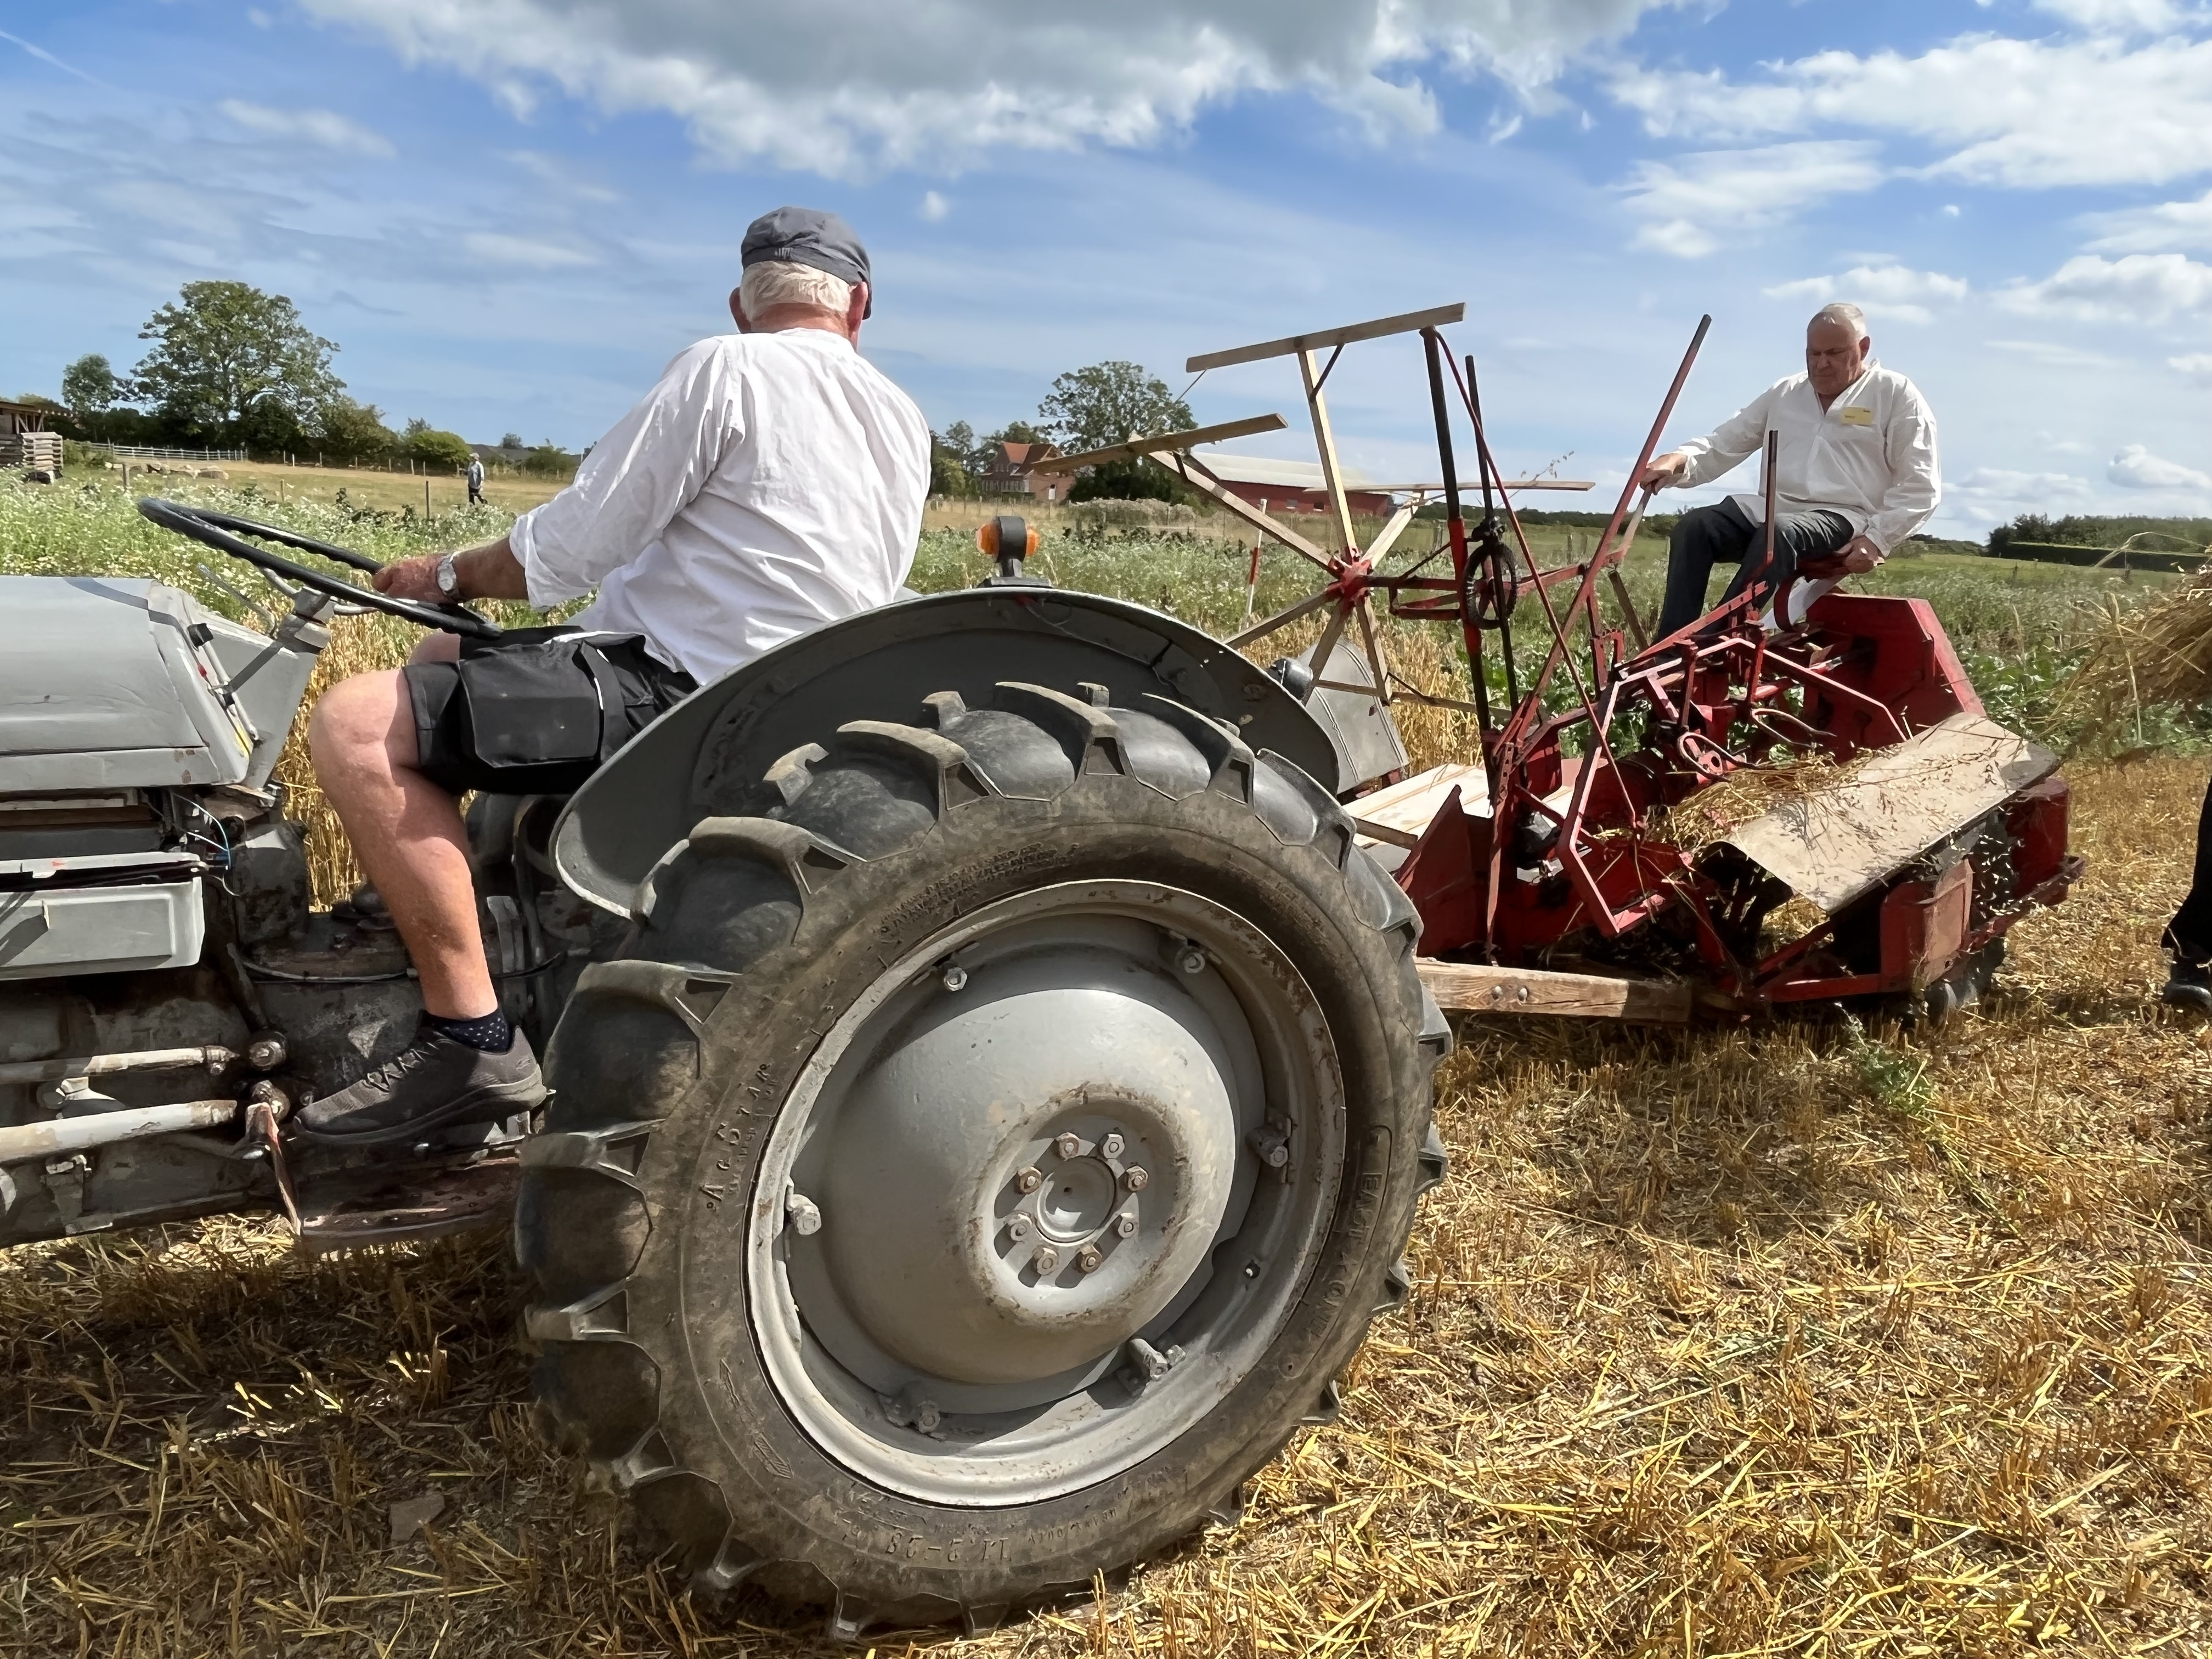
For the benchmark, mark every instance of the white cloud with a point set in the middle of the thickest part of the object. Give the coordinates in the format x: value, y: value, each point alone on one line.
x: 1694, y: 203
x: 493, y: 248
x: 2121, y: 16
x: 2147, y: 230
x: 842, y: 89
x: 553, y: 170
x: 2051, y: 355
x: 2138, y: 288
x: 2198, y: 365
x: 2024, y: 113
x: 323, y: 127
x: 1991, y: 494
x: 2137, y: 468
x: 934, y: 207
x: 1890, y: 290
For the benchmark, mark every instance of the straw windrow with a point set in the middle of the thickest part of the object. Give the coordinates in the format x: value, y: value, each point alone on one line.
x: 2154, y: 655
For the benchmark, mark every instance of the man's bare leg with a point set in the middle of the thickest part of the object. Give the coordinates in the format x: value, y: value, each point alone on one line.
x: 406, y: 831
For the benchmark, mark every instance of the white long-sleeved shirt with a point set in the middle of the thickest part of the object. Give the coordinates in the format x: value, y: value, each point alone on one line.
x: 1870, y: 455
x: 767, y: 484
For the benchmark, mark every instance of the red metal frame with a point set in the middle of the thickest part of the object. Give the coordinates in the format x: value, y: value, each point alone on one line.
x: 1566, y: 861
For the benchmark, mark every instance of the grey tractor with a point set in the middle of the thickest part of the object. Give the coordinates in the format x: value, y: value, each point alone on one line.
x: 990, y: 1087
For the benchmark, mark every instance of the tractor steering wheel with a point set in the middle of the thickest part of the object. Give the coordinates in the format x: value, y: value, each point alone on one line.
x: 222, y: 531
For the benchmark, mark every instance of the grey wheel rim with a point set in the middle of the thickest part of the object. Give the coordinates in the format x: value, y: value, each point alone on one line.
x: 1045, y: 1193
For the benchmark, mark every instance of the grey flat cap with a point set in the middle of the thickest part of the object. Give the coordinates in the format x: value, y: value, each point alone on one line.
x: 809, y: 236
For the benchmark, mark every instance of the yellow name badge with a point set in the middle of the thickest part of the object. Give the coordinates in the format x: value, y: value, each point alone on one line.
x: 1854, y: 415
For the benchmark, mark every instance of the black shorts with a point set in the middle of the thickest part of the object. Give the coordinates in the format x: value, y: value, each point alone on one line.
x: 536, y: 711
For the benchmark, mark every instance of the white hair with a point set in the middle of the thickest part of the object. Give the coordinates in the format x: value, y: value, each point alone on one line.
x: 768, y: 283
x: 1849, y: 315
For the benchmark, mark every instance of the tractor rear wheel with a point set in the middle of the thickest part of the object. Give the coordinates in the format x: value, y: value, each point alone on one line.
x: 984, y: 1159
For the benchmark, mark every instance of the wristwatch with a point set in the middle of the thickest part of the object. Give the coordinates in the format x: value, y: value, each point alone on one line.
x: 449, y: 578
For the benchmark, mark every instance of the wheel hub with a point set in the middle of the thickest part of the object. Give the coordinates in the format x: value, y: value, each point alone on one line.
x: 1032, y: 1171
x: 1128, y: 1075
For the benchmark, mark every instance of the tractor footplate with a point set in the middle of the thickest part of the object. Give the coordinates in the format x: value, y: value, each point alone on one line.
x: 415, y: 1205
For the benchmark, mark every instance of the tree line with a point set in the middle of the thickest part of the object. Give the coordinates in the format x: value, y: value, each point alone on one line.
x: 230, y: 366
x: 233, y: 367
x: 1086, y: 409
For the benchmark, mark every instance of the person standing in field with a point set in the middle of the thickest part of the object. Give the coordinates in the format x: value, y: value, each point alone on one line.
x: 771, y: 482
x: 1856, y: 473
x: 475, y: 481
x: 2188, y: 937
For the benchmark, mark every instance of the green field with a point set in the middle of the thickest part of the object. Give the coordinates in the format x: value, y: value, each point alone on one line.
x: 2019, y: 627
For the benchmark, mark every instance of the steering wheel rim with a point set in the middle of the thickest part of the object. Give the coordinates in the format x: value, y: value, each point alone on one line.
x: 222, y: 531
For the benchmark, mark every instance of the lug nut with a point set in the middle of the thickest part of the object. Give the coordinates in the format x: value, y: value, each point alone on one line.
x: 1068, y: 1146
x: 1111, y: 1147
x: 1029, y: 1179
x: 1126, y: 1226
x: 1046, y: 1258
x: 1270, y: 1145
x: 926, y: 1415
x: 956, y: 978
x: 1192, y: 962
x: 1018, y: 1229
x: 1088, y: 1258
x: 1134, y: 1178
x: 804, y: 1214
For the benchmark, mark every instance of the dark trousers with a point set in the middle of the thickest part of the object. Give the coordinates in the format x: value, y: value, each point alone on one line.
x: 2188, y: 935
x: 1724, y: 534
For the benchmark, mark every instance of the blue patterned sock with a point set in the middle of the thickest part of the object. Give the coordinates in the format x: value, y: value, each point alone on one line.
x: 491, y: 1034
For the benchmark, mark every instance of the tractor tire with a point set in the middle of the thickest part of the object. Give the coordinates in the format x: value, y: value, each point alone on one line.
x: 983, y: 1159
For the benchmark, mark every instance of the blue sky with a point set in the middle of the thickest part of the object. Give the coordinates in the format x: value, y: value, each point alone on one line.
x: 509, y: 213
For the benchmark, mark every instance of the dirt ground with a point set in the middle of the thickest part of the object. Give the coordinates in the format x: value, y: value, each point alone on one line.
x: 1770, y: 1341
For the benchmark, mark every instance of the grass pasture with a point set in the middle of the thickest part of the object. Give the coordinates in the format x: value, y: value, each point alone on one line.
x: 1791, y: 1340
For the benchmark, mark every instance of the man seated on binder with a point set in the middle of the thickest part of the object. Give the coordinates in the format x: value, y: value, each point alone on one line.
x: 1856, y: 473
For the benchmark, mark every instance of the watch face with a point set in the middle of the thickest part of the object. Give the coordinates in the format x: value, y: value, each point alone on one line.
x: 449, y: 581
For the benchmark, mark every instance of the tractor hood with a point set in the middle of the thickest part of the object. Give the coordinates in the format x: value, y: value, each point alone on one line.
x: 107, y: 683
x: 707, y: 755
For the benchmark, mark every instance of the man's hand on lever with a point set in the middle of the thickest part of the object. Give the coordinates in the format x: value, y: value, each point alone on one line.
x: 1854, y: 558
x: 488, y: 572
x: 1664, y: 469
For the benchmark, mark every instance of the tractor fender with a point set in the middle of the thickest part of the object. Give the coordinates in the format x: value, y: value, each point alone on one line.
x: 707, y: 756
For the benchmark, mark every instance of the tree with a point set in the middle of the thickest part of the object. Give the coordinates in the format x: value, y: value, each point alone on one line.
x: 347, y: 431
x: 550, y: 461
x: 424, y: 442
x: 225, y: 347
x: 89, y: 387
x: 510, y: 440
x: 1090, y: 408
x: 270, y: 428
x: 948, y: 468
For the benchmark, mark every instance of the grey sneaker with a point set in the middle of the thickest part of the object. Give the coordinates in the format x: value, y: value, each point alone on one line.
x: 433, y: 1083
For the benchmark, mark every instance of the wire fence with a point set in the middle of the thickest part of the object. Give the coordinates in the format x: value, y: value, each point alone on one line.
x: 157, y: 453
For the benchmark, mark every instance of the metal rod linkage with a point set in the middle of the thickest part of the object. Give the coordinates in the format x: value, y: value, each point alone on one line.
x: 19, y: 1141
x: 71, y: 1065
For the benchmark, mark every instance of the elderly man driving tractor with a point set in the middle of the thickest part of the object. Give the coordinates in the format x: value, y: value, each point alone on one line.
x: 771, y: 482
x: 1857, y: 472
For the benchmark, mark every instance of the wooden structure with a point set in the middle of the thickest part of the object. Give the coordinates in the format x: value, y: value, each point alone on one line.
x: 25, y: 442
